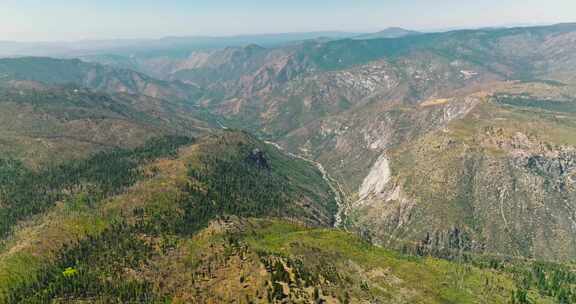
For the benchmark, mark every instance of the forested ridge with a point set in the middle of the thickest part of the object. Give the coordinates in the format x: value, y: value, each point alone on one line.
x: 24, y: 192
x: 229, y: 175
x: 239, y: 180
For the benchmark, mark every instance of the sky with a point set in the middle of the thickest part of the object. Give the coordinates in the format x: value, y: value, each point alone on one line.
x: 70, y: 20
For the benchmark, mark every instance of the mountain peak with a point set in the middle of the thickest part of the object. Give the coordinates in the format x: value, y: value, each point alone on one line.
x: 391, y: 32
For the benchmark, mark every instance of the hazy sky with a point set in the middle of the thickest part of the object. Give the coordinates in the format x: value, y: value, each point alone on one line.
x: 98, y: 19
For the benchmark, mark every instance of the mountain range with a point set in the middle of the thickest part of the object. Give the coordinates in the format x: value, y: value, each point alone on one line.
x: 175, y: 45
x: 394, y: 167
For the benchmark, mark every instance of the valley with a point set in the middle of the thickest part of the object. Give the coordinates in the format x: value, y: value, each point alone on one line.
x: 394, y: 167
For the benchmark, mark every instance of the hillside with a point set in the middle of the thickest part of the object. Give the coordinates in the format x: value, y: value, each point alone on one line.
x: 276, y: 90
x: 52, y: 110
x: 49, y: 71
x: 43, y: 125
x: 498, y: 179
x: 171, y: 234
x: 369, y: 110
x: 134, y: 197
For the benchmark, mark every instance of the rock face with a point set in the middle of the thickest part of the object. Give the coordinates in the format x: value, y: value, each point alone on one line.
x: 376, y: 181
x: 257, y: 158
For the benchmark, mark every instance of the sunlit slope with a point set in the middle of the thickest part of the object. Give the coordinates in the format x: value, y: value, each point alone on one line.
x: 499, y: 180
x: 47, y: 124
x: 173, y: 235
x: 162, y: 201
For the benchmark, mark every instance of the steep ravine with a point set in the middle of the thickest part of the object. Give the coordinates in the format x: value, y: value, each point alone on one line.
x: 333, y: 183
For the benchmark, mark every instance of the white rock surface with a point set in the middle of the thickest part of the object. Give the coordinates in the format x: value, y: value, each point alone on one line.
x: 376, y: 181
